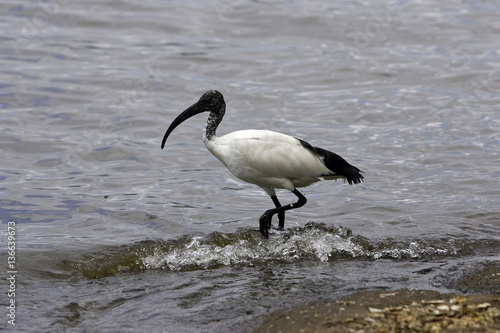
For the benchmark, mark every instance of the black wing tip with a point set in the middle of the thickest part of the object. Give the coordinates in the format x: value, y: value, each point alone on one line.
x: 352, y: 175
x: 337, y: 164
x: 355, y: 179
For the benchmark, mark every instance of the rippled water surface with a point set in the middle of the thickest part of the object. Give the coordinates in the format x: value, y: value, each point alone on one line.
x: 115, y: 234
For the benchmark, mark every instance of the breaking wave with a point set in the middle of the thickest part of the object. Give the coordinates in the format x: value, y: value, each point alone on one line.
x: 247, y: 247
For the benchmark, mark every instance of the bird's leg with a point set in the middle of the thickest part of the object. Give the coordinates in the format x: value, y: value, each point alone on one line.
x: 265, y: 219
x: 281, y: 215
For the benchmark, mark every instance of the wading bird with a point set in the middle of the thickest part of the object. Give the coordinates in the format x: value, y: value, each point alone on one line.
x: 267, y: 159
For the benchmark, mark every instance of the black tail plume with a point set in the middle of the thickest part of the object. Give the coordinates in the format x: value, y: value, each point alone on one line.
x: 338, y: 165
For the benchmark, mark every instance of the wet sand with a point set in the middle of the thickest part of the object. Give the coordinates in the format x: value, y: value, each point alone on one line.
x: 403, y: 310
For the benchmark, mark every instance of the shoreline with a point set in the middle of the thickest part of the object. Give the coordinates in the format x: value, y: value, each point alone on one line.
x: 401, y: 310
x: 475, y: 307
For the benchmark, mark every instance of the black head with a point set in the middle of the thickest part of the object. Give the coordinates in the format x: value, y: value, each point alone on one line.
x: 212, y: 101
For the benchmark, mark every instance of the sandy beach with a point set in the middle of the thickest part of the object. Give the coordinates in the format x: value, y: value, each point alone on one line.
x: 402, y: 310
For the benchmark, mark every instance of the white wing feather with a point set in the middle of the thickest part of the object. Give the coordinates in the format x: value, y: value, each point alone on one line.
x: 268, y: 159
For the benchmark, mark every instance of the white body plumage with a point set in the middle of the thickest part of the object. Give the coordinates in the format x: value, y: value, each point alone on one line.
x: 269, y: 159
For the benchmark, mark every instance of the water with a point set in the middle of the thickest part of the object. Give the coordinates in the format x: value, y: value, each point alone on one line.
x: 114, y: 234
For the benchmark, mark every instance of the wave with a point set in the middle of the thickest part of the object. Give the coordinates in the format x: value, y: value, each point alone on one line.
x: 314, y: 241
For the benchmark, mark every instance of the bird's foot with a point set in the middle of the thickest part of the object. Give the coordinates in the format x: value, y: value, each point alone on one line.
x: 265, y: 224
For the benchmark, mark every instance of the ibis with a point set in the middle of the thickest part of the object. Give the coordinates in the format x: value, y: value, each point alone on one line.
x: 268, y: 159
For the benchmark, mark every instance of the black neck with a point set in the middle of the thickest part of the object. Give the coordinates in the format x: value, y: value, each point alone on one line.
x: 213, y: 121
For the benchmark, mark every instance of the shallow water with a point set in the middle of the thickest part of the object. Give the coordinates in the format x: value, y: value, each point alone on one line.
x: 115, y: 234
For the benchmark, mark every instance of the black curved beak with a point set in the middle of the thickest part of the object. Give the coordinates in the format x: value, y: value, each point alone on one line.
x: 193, y: 110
